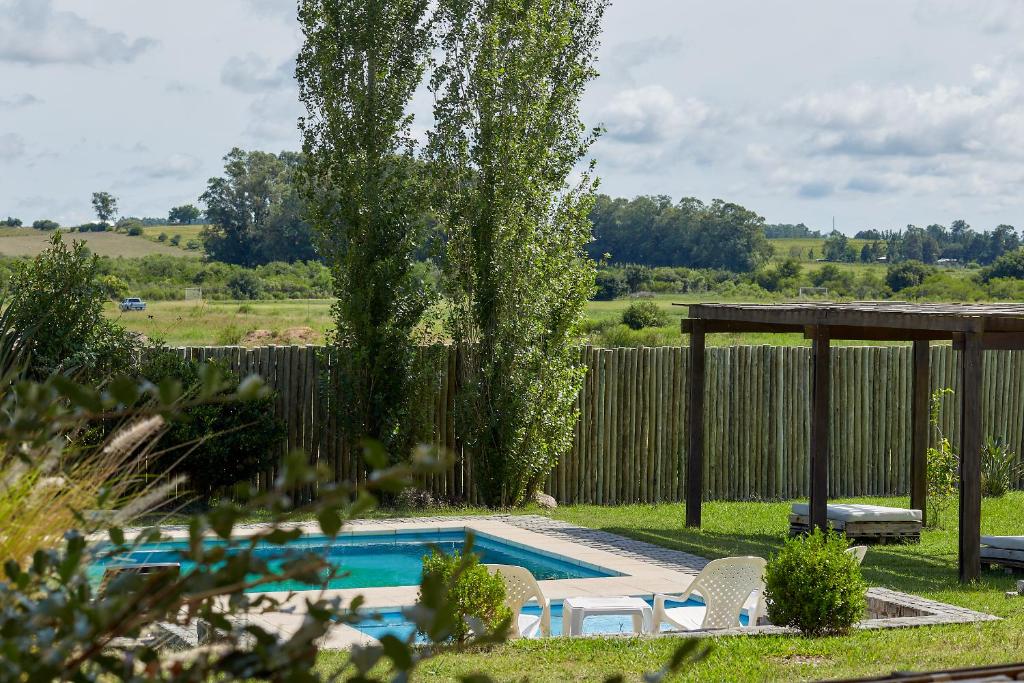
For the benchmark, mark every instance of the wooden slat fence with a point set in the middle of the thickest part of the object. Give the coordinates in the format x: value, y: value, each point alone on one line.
x: 630, y: 439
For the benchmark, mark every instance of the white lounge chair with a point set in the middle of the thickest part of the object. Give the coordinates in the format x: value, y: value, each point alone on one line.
x: 729, y: 587
x: 869, y: 522
x: 520, y: 588
x: 1006, y: 551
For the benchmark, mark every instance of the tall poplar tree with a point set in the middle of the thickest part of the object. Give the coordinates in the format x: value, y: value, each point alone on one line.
x: 508, y: 137
x: 361, y: 62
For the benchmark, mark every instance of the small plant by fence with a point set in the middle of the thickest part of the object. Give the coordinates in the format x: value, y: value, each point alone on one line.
x: 630, y: 440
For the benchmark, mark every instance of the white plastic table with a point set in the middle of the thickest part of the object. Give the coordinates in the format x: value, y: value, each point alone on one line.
x: 575, y: 610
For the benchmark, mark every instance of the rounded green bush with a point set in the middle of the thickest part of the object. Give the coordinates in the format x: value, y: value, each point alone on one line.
x: 815, y: 586
x: 644, y: 314
x: 474, y: 594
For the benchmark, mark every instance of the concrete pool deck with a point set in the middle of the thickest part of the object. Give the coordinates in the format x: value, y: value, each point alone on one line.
x: 643, y: 569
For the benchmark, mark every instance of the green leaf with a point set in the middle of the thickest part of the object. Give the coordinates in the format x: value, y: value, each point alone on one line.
x: 397, y: 651
x: 330, y: 522
x: 124, y: 390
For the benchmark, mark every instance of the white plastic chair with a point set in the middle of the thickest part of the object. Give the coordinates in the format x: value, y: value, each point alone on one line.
x: 520, y: 588
x: 729, y: 587
x: 858, y: 552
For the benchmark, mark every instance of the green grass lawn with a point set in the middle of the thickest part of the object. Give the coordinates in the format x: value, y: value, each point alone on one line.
x: 927, y: 569
x: 228, y: 323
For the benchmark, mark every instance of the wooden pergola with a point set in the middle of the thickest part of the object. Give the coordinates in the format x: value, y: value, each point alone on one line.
x: 972, y: 329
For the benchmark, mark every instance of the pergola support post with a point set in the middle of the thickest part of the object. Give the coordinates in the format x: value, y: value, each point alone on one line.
x: 695, y: 426
x: 970, y: 458
x: 920, y: 414
x: 820, y: 426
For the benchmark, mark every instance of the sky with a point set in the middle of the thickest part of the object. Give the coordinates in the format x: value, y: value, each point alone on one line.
x: 876, y: 113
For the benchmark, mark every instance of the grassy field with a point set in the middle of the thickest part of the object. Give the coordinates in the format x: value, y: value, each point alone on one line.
x: 257, y: 323
x: 29, y: 242
x: 186, y: 232
x: 227, y: 323
x: 927, y: 569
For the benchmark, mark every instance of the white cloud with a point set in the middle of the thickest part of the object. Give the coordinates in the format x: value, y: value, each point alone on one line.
x: 991, y: 17
x: 274, y: 120
x: 254, y: 74
x: 12, y: 146
x: 283, y: 9
x: 32, y: 32
x: 652, y: 114
x: 19, y: 101
x: 620, y: 62
x: 173, y: 167
x: 979, y: 118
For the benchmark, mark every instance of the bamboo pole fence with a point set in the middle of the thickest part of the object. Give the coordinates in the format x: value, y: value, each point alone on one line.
x: 629, y: 442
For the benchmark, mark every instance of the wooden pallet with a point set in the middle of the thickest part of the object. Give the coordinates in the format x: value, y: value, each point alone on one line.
x: 1010, y: 559
x: 878, y: 532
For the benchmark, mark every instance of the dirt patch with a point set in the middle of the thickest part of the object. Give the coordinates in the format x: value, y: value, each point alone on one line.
x: 291, y: 335
x: 299, y: 335
x: 257, y: 338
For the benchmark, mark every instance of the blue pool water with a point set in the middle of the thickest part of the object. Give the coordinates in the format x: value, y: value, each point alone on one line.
x: 394, y: 623
x: 373, y: 560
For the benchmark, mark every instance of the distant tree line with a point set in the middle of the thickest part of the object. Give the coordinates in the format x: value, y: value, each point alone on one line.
x: 776, y: 231
x: 653, y: 231
x: 935, y: 243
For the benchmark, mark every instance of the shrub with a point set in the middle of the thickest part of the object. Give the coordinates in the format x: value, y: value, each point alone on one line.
x: 474, y: 594
x: 230, y: 335
x: 610, y: 285
x: 999, y: 468
x: 815, y: 586
x: 162, y: 237
x: 45, y: 225
x: 637, y: 276
x: 57, y: 300
x: 245, y: 284
x: 193, y: 245
x: 214, y: 445
x: 907, y: 274
x: 113, y: 287
x: 943, y: 466
x: 644, y: 314
x: 11, y: 222
x: 176, y: 240
x: 1009, y: 265
x: 135, y: 230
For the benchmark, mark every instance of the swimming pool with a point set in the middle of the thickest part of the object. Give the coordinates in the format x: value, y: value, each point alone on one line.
x: 376, y: 560
x: 393, y: 622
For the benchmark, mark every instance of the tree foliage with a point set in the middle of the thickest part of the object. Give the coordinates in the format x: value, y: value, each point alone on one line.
x: 255, y: 211
x: 653, y: 231
x: 57, y: 299
x: 214, y: 444
x: 105, y: 206
x: 186, y: 214
x: 508, y: 135
x: 361, y: 62
x: 907, y: 274
x: 1010, y: 264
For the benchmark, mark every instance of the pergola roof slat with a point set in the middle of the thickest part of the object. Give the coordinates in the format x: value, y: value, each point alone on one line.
x: 872, y: 314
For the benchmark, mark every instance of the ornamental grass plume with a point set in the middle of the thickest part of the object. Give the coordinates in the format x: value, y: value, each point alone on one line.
x: 48, y: 491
